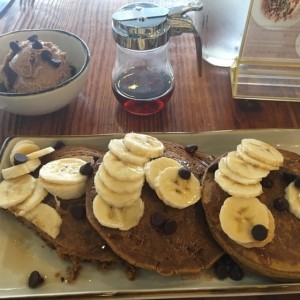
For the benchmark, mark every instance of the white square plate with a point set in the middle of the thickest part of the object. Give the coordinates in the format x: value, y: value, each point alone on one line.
x: 21, y: 251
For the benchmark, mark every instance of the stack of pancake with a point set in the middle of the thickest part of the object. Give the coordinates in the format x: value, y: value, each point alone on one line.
x: 190, y: 249
x: 279, y: 259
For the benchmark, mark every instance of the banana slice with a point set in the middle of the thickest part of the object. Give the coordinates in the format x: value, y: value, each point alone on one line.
x: 262, y: 152
x: 244, y: 169
x: 144, y: 145
x: 46, y: 218
x: 115, y: 199
x: 121, y: 218
x: 22, y: 169
x: 154, y: 167
x: 118, y: 186
x: 238, y: 215
x: 33, y: 200
x: 16, y: 190
x: 40, y: 153
x: 120, y: 170
x: 24, y: 147
x: 176, y: 191
x: 117, y: 147
x: 237, y: 189
x: 292, y: 195
x: 64, y: 191
x: 257, y: 163
x: 63, y: 171
x: 234, y: 176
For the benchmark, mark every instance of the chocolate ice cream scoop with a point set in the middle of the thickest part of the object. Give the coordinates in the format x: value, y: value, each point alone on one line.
x: 33, y: 66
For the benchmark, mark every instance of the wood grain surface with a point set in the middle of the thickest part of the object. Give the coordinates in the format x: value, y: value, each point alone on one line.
x: 198, y: 104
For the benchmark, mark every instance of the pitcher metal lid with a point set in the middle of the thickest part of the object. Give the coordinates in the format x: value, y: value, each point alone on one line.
x: 141, y: 26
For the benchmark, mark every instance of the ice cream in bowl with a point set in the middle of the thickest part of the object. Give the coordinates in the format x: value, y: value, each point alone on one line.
x: 41, y: 71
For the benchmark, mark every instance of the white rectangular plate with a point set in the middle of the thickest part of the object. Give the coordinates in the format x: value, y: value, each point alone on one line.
x: 21, y: 251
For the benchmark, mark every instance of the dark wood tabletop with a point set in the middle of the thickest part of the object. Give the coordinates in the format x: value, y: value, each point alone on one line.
x: 197, y: 104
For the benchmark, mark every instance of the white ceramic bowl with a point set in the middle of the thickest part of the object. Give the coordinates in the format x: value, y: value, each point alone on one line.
x: 50, y: 100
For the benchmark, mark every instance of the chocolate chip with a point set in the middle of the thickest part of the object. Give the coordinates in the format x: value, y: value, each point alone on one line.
x: 35, y: 279
x: 169, y: 227
x: 236, y: 273
x: 288, y: 177
x: 46, y: 55
x: 73, y: 70
x: 281, y: 204
x: 32, y: 38
x: 78, y: 212
x: 267, y: 182
x: 37, y: 44
x: 259, y: 232
x: 59, y: 145
x: 221, y: 270
x: 226, y: 266
x: 184, y: 173
x: 19, y: 158
x: 191, y: 149
x: 55, y: 62
x: 297, y: 182
x: 86, y: 169
x: 157, y: 219
x: 162, y: 224
x: 226, y: 259
x: 14, y: 46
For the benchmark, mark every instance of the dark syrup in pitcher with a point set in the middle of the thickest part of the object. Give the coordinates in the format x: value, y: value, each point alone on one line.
x: 143, y: 92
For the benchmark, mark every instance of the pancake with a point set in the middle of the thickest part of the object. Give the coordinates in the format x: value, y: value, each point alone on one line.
x: 190, y: 249
x: 77, y: 240
x: 279, y: 259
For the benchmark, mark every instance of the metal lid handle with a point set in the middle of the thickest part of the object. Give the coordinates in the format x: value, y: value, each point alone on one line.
x: 180, y: 23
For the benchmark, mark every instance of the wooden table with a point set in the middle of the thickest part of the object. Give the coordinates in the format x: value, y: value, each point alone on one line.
x: 197, y: 104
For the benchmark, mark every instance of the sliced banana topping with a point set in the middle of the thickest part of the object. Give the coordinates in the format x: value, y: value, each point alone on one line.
x: 116, y: 185
x: 46, y: 218
x: 262, y: 152
x: 24, y: 147
x: 40, y: 153
x: 16, y: 190
x: 247, y: 221
x: 64, y: 191
x: 156, y: 166
x: 244, y: 169
x: 117, y: 147
x: 176, y: 191
x: 292, y: 195
x: 144, y: 145
x: 239, y: 173
x: 120, y: 178
x: 120, y: 170
x: 237, y: 189
x: 226, y: 171
x: 115, y: 199
x: 63, y: 171
x: 123, y: 218
x: 22, y: 169
x: 30, y: 202
x: 253, y: 161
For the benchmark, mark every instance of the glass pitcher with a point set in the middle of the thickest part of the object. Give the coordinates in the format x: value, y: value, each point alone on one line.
x: 142, y: 77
